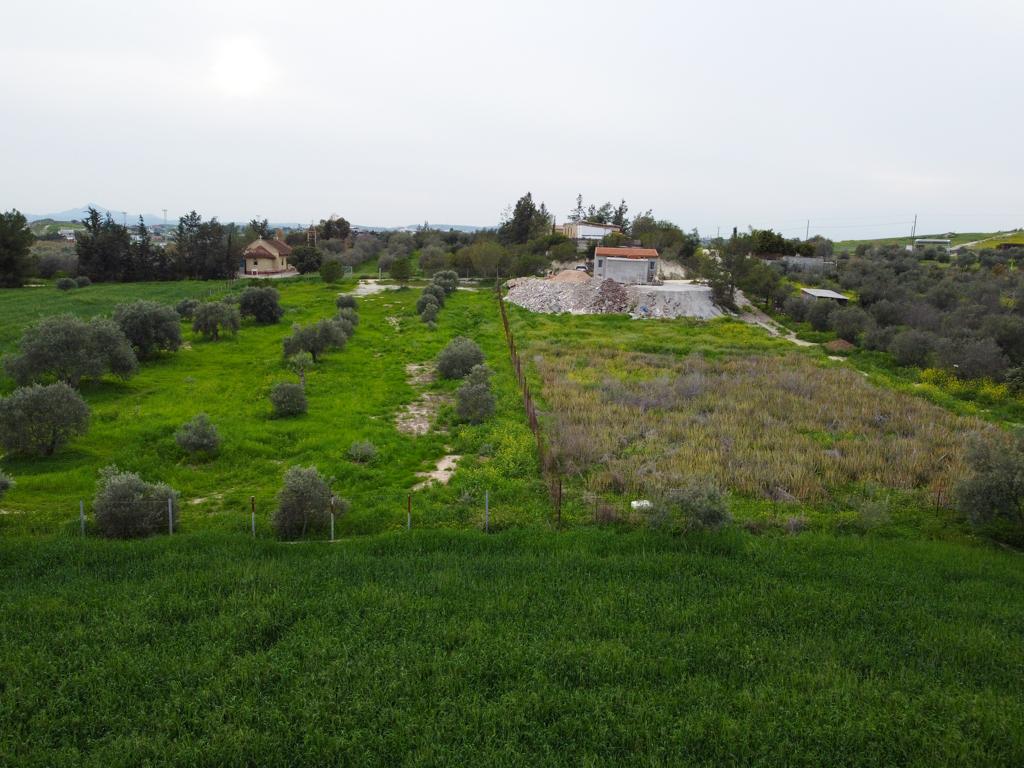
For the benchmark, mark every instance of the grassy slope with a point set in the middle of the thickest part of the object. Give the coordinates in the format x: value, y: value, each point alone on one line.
x: 957, y: 239
x: 353, y: 396
x: 522, y: 648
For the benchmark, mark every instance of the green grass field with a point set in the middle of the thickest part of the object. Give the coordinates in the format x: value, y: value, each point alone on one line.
x: 595, y: 645
x: 521, y: 648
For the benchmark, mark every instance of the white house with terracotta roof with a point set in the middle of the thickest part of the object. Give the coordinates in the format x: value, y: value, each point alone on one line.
x: 637, y: 266
x: 267, y: 256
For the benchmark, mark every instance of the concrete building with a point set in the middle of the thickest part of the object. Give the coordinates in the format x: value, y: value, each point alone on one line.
x: 268, y: 256
x: 822, y: 294
x: 586, y: 232
x: 634, y: 266
x: 937, y: 243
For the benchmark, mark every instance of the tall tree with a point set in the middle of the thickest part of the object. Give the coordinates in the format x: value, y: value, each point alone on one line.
x: 15, y: 243
x: 526, y: 222
x: 104, y: 249
x: 579, y: 212
x: 207, y: 250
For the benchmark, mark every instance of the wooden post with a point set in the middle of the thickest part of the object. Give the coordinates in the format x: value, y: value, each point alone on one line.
x: 252, y: 504
x: 170, y: 515
x: 487, y: 511
x: 408, y: 512
x: 81, y: 516
x: 559, y: 501
x: 332, y: 518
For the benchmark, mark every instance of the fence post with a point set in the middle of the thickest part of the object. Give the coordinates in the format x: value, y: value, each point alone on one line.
x: 170, y: 515
x: 252, y: 504
x: 408, y: 512
x: 487, y: 511
x: 332, y: 518
x: 81, y: 516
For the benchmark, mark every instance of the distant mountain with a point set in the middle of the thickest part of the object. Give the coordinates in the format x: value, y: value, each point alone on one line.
x: 413, y: 227
x: 83, y: 211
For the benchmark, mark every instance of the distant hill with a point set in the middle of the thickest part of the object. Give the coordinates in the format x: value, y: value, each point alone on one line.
x: 77, y: 214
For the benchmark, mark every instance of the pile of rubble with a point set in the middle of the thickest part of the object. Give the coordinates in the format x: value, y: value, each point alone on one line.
x: 593, y: 296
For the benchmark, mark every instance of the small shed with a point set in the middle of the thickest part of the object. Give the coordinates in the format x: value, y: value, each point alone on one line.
x: 822, y: 294
x: 637, y: 266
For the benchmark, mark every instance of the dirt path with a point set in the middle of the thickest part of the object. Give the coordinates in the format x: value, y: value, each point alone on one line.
x: 754, y: 315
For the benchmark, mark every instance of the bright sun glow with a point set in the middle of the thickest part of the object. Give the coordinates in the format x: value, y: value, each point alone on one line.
x: 242, y: 67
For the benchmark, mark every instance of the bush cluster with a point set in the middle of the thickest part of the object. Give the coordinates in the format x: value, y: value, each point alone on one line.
x: 186, y: 308
x: 363, y: 452
x: 149, y: 326
x: 127, y: 507
x: 458, y: 358
x: 198, y: 437
x: 212, y: 318
x: 288, y: 399
x: 474, y: 401
x: 66, y: 284
x: 261, y: 304
x: 434, y: 294
x: 303, y: 504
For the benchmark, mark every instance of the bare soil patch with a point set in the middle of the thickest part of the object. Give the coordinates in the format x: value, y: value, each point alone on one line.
x: 416, y: 417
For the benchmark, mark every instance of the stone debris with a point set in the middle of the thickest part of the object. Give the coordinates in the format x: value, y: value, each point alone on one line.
x: 592, y: 296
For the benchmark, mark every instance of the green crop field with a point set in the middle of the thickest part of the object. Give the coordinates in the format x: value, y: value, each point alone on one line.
x: 858, y: 622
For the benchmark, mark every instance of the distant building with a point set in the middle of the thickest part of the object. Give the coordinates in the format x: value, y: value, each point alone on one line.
x: 822, y: 294
x: 268, y: 256
x: 941, y: 244
x: 637, y: 266
x: 67, y: 233
x: 586, y: 232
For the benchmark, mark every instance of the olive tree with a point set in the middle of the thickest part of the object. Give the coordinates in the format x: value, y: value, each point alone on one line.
x: 448, y: 280
x: 261, y: 304
x: 69, y: 349
x: 458, y: 358
x: 127, y: 507
x: 288, y: 399
x: 213, y: 318
x: 149, y: 326
x: 303, y: 504
x: 474, y: 399
x: 316, y: 338
x: 995, y: 489
x: 347, y: 301
x: 39, y: 419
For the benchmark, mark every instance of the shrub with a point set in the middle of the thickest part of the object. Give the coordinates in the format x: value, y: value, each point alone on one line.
x: 349, y: 314
x: 345, y: 326
x: 186, y: 308
x: 437, y: 292
x: 448, y: 280
x: 303, y: 504
x: 261, y: 304
x: 288, y: 399
x: 426, y: 300
x: 317, y: 338
x: 127, y: 507
x: 149, y: 326
x: 66, y: 284
x: 70, y: 349
x: 849, y: 323
x: 429, y: 313
x: 474, y: 399
x: 1015, y: 381
x: 362, y: 452
x: 819, y: 312
x: 458, y: 358
x: 995, y: 490
x: 400, y: 270
x: 6, y: 483
x: 974, y: 358
x: 347, y: 301
x: 213, y: 318
x: 796, y: 308
x: 912, y: 347
x: 697, y: 506
x: 82, y: 281
x: 198, y: 436
x: 39, y: 419
x: 331, y: 270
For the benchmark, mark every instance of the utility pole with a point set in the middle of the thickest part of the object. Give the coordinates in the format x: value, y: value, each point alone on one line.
x: 913, y: 230
x: 165, y: 217
x: 807, y: 236
x: 124, y: 218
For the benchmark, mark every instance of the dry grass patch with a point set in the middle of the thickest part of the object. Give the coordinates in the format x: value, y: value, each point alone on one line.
x: 772, y: 426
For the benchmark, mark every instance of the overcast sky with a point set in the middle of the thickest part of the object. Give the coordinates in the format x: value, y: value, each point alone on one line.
x: 856, y: 114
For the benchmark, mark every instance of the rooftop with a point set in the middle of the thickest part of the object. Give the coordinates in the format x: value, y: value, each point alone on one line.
x: 824, y: 293
x: 625, y: 252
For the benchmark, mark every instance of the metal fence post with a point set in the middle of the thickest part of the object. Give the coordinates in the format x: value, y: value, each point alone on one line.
x: 81, y: 516
x: 408, y: 513
x: 332, y: 518
x: 487, y: 511
x: 252, y: 504
x: 170, y: 515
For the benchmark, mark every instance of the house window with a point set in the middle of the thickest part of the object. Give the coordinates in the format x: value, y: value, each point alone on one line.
x: 600, y: 262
